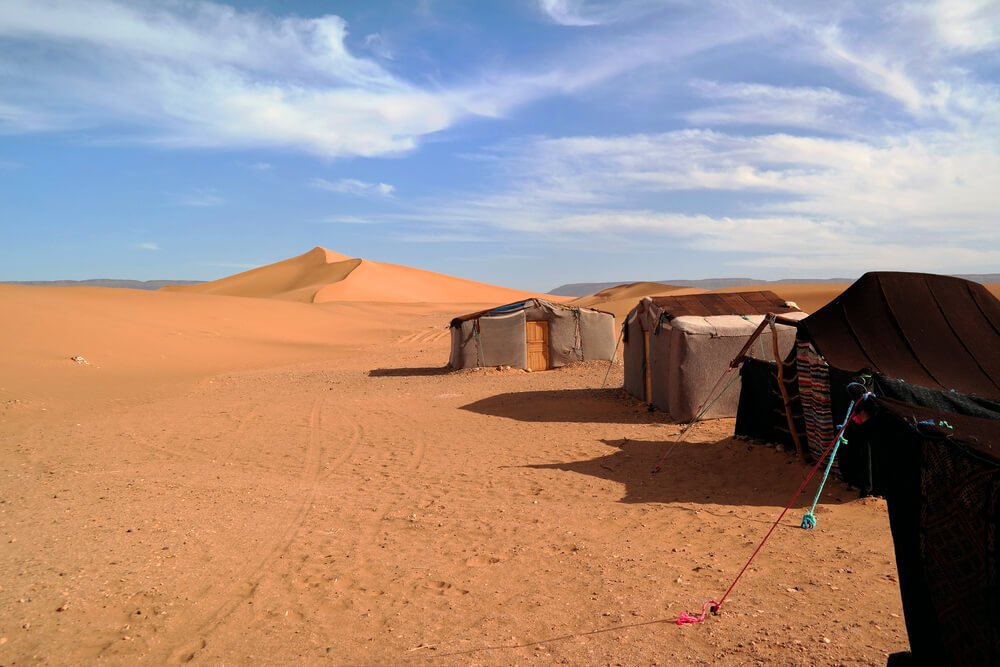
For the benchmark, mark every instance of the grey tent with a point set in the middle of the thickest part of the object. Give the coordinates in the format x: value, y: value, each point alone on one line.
x: 677, y: 347
x: 533, y: 334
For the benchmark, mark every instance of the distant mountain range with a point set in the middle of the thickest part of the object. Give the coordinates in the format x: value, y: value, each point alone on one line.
x: 104, y: 282
x: 584, y: 289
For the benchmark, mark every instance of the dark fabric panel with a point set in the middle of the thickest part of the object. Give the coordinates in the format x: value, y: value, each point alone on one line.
x: 944, y: 513
x: 934, y: 331
x: 967, y: 324
x: 936, y: 399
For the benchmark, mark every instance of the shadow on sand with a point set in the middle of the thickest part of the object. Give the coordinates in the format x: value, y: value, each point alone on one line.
x: 604, y: 406
x: 408, y: 372
x: 727, y: 472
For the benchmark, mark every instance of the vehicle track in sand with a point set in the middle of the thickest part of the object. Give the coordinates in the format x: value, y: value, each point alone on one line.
x: 247, y: 583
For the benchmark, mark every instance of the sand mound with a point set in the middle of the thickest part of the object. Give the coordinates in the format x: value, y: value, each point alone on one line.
x: 321, y: 276
x: 295, y: 279
x: 621, y: 299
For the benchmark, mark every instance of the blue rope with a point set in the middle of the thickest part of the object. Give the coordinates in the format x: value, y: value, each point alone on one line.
x: 809, y: 520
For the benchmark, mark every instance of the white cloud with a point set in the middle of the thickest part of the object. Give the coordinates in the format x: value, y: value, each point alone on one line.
x: 203, y: 198
x: 150, y: 245
x: 261, y: 166
x: 200, y: 74
x: 353, y: 186
x: 778, y: 106
x: 922, y: 201
x: 206, y: 75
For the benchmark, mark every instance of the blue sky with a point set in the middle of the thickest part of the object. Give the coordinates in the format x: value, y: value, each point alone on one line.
x: 527, y: 143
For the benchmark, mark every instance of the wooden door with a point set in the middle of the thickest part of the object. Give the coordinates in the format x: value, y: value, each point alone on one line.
x: 537, y: 336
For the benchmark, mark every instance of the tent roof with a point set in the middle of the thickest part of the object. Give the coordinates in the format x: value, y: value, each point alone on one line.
x: 930, y: 330
x: 707, y: 305
x: 516, y: 306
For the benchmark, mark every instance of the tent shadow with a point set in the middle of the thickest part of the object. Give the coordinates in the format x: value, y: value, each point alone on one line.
x: 726, y: 472
x: 605, y: 406
x: 409, y: 372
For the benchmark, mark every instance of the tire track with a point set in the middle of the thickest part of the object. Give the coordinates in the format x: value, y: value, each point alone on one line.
x: 308, y: 486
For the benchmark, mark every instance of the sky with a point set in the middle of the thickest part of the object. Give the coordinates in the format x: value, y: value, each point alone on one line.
x: 526, y: 143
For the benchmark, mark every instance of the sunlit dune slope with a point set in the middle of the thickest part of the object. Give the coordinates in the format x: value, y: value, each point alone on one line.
x: 131, y: 337
x: 809, y: 297
x: 295, y: 279
x: 321, y: 275
x: 621, y: 299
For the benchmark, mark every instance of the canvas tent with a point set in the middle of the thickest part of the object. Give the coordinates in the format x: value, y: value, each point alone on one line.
x: 534, y: 334
x: 929, y: 349
x: 676, y: 347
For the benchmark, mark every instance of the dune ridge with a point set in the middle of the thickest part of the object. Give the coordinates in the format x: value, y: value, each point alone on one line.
x: 322, y: 276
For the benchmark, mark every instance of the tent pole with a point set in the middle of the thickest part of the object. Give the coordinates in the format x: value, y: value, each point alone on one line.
x: 754, y: 336
x: 784, y: 393
x: 614, y: 355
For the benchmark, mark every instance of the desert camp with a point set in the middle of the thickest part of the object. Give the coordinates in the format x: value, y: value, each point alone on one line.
x: 535, y: 335
x: 588, y: 333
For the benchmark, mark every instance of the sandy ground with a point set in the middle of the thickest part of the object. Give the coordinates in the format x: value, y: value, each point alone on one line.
x: 251, y: 481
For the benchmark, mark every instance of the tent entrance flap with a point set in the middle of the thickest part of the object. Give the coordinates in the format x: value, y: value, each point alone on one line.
x: 537, y: 337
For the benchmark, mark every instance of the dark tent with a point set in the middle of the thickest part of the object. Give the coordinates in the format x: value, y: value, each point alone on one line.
x: 929, y: 348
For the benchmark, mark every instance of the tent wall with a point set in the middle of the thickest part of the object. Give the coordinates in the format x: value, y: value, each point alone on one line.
x: 503, y: 340
x: 574, y: 335
x: 632, y: 353
x: 464, y: 346
x: 597, y: 335
x: 687, y: 357
x: 661, y: 360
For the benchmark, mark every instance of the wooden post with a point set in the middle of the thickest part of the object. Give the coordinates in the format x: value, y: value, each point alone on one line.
x: 784, y: 393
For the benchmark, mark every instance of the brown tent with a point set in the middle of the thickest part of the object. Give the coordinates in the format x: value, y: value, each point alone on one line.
x: 677, y: 347
x: 928, y: 348
x: 534, y: 335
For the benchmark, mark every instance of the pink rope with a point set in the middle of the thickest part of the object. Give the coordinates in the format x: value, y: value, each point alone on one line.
x: 717, y: 606
x: 686, y: 618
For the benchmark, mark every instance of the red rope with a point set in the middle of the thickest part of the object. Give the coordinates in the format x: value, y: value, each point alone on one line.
x: 717, y: 606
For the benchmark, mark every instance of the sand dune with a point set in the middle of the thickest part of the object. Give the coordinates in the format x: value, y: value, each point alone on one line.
x: 322, y: 275
x: 621, y: 299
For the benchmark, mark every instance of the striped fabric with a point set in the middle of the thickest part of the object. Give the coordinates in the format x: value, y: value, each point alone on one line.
x: 814, y: 390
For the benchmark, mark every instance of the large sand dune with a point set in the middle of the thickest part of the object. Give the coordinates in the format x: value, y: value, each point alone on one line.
x: 253, y: 481
x: 322, y: 275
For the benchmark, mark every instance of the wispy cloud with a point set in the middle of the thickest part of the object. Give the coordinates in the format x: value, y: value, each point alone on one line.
x: 348, y: 220
x: 204, y: 198
x: 149, y: 245
x: 206, y: 75
x: 10, y: 165
x: 260, y: 166
x: 584, y: 13
x: 777, y: 106
x: 353, y: 186
x: 376, y: 43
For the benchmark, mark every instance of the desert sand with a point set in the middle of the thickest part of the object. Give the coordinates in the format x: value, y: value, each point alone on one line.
x: 298, y: 480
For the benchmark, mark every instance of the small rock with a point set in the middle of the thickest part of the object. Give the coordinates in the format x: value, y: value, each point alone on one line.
x: 825, y: 640
x: 80, y: 360
x: 63, y: 607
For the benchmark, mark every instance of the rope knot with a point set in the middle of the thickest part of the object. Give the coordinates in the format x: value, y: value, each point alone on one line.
x: 709, y: 606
